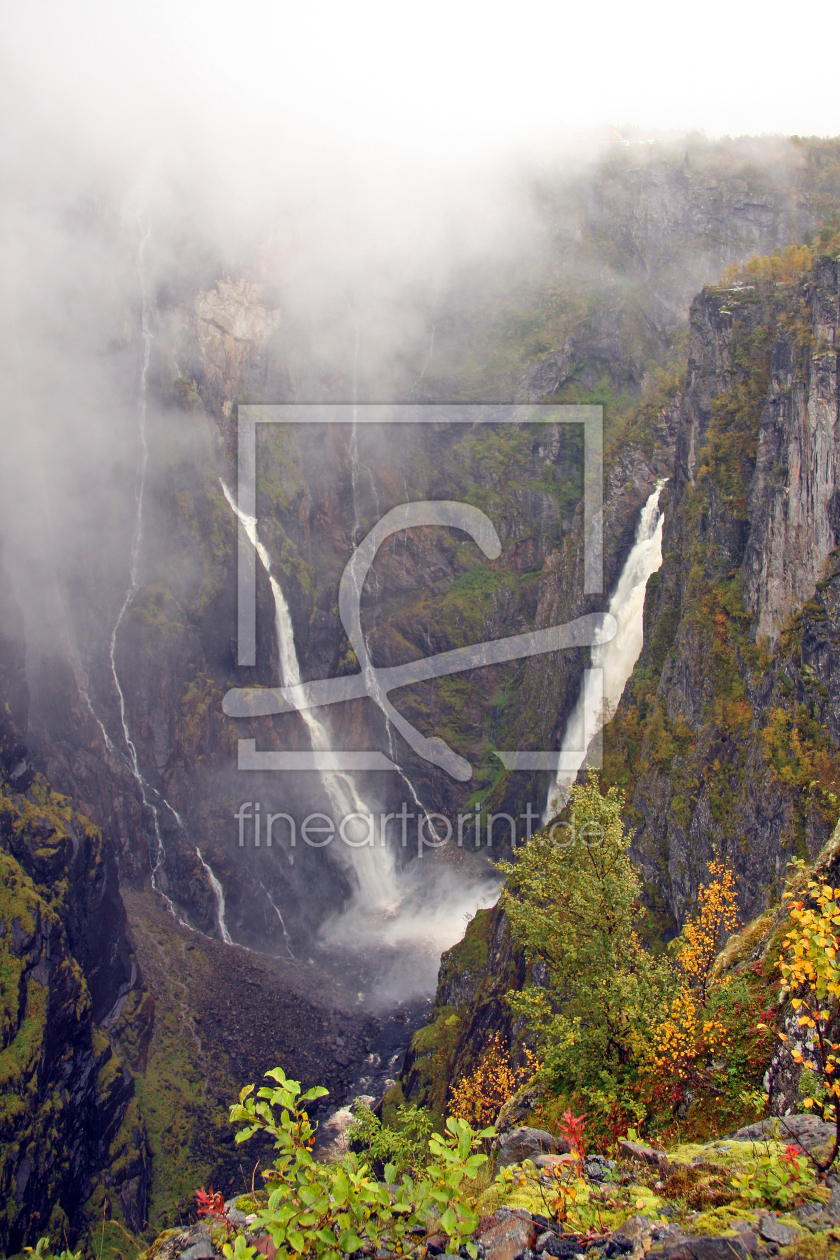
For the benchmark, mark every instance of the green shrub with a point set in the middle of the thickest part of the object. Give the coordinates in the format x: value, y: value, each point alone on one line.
x: 405, y: 1144
x: 333, y: 1209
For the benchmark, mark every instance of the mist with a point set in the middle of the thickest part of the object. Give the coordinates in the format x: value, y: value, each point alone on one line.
x: 362, y: 169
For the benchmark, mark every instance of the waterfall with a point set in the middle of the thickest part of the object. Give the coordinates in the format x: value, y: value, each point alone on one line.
x: 134, y: 581
x: 279, y: 916
x: 377, y: 886
x: 218, y: 893
x: 617, y: 657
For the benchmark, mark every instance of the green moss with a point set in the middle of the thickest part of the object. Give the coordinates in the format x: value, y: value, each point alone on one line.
x: 433, y: 1047
x: 821, y: 1246
x: 248, y: 1203
x: 470, y: 954
x: 720, y: 1220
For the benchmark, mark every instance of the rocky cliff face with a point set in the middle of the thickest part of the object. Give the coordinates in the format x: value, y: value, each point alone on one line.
x: 72, y: 1137
x: 726, y: 734
x: 731, y: 715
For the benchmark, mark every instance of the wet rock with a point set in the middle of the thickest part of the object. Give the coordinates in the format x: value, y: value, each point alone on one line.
x: 510, y: 1238
x: 774, y: 1231
x: 638, y: 1153
x: 618, y: 1245
x: 525, y: 1143
x: 562, y: 1248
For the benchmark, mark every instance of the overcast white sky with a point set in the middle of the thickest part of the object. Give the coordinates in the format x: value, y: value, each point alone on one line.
x: 432, y: 78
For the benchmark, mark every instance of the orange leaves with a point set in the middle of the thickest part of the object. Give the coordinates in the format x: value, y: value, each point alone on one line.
x: 811, y: 974
x: 680, y: 1044
x: 479, y: 1096
x: 704, y: 934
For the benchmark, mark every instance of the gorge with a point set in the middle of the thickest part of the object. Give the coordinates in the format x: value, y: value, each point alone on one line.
x: 157, y: 952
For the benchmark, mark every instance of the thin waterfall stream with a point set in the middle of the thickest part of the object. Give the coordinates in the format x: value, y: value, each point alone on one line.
x: 134, y: 583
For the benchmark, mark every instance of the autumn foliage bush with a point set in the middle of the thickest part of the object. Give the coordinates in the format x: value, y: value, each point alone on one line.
x: 810, y: 969
x: 627, y: 1032
x: 480, y: 1095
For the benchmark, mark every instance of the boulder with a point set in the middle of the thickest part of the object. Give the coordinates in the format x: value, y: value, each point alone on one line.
x: 774, y: 1231
x: 202, y: 1250
x: 711, y: 1248
x: 524, y: 1143
x: 641, y: 1154
x: 808, y: 1130
x: 513, y: 1235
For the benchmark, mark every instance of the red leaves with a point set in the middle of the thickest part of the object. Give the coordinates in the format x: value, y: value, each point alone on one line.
x: 572, y: 1127
x: 792, y: 1152
x: 211, y: 1203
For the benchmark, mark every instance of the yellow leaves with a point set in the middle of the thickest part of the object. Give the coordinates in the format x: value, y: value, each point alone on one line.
x: 703, y: 935
x: 479, y: 1096
x: 809, y: 963
x: 682, y: 1038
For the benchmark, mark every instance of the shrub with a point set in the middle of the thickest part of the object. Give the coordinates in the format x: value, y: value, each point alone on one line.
x: 781, y: 1179
x: 330, y: 1209
x: 811, y: 974
x: 480, y: 1095
x: 404, y: 1144
x: 572, y: 902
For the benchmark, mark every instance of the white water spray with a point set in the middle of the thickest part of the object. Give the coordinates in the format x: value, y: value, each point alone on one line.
x: 377, y: 888
x: 406, y: 920
x: 218, y: 893
x: 617, y: 657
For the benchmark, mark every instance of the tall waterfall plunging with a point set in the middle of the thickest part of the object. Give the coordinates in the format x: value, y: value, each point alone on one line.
x: 374, y: 867
x: 616, y: 658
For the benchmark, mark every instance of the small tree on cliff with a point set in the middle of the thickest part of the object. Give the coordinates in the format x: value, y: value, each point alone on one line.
x: 572, y: 902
